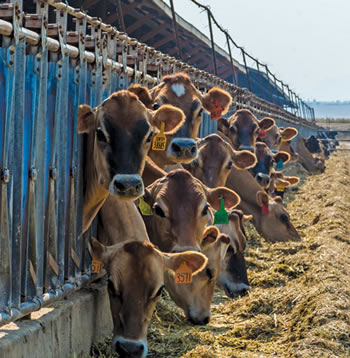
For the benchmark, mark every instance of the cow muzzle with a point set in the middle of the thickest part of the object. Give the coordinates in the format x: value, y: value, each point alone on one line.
x: 127, y: 186
x: 246, y: 147
x: 262, y: 179
x: 183, y: 150
x: 130, y: 348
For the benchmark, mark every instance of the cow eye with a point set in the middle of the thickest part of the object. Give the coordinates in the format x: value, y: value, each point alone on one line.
x: 149, y: 138
x: 284, y: 218
x: 159, y: 292
x: 205, y: 210
x: 100, y: 135
x: 155, y: 106
x: 233, y: 129
x: 159, y: 211
x: 200, y: 112
x: 210, y: 274
x: 229, y: 165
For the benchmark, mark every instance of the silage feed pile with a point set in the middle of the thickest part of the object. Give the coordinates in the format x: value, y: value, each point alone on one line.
x: 299, y: 305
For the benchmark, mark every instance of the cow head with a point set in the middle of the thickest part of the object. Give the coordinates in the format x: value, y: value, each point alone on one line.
x: 265, y: 161
x: 274, y: 222
x: 313, y: 163
x: 120, y: 132
x: 179, y: 91
x: 180, y: 205
x: 243, y: 129
x: 135, y: 281
x: 275, y: 136
x: 233, y: 273
x: 215, y: 160
x: 195, y: 298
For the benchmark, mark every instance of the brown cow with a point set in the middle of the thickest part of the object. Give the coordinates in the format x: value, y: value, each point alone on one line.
x: 180, y: 206
x: 215, y: 160
x: 233, y: 272
x: 265, y: 161
x: 286, y: 146
x: 120, y: 131
x: 311, y: 162
x: 279, y: 182
x: 243, y: 129
x: 178, y: 90
x: 135, y: 281
x: 195, y: 298
x: 275, y: 136
x: 274, y: 225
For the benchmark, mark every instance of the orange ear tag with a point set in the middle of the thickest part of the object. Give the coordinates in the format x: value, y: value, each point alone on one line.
x: 96, y: 266
x: 216, y: 112
x: 183, y: 274
x: 159, y: 140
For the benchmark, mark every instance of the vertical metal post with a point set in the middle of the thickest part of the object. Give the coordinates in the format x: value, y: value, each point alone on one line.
x: 177, y: 39
x: 277, y: 89
x: 120, y: 13
x: 15, y: 150
x: 260, y: 80
x: 270, y: 87
x: 246, y: 69
x: 212, y: 43
x: 235, y: 82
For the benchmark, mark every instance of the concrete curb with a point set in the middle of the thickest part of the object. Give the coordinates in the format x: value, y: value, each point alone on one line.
x: 66, y: 329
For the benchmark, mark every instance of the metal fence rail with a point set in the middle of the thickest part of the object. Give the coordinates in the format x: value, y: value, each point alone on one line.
x: 46, y: 71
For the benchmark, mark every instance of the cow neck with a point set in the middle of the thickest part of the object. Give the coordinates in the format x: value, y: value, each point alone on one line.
x: 95, y: 194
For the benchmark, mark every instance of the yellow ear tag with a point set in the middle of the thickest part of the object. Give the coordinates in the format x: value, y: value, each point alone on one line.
x: 96, y: 266
x: 159, y: 140
x: 183, y: 274
x: 145, y: 208
x: 284, y: 140
x: 280, y: 188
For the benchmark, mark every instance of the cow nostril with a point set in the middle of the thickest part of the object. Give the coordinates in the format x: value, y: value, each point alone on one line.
x: 119, y: 186
x: 206, y: 320
x: 193, y: 150
x: 176, y: 148
x: 243, y: 292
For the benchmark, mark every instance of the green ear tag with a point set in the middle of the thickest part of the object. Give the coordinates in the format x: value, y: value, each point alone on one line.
x: 279, y: 165
x: 145, y: 208
x: 221, y: 216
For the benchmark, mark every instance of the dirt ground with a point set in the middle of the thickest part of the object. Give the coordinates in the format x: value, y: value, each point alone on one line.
x: 299, y: 305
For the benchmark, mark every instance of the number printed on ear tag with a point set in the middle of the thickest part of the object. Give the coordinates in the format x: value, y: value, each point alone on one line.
x: 96, y: 266
x: 159, y: 140
x: 183, y: 274
x: 280, y: 188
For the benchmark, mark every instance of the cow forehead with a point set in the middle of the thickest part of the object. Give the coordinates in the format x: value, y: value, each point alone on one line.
x: 244, y: 118
x: 124, y: 110
x: 214, y: 149
x: 180, y: 187
x: 138, y: 271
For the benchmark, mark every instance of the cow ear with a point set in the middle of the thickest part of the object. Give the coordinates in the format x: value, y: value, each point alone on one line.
x: 143, y: 94
x: 214, y: 196
x: 244, y: 159
x: 292, y: 180
x: 98, y: 249
x: 216, y: 97
x: 195, y: 261
x: 266, y: 123
x: 209, y: 236
x: 223, y: 125
x: 262, y: 198
x: 289, y: 133
x: 284, y: 156
x: 223, y: 241
x: 247, y: 218
x: 172, y: 117
x: 86, y: 119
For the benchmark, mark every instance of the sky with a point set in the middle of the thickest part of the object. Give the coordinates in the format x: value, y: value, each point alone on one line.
x: 306, y: 43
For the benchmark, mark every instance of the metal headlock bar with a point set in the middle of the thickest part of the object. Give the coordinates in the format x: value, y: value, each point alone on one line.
x: 46, y: 71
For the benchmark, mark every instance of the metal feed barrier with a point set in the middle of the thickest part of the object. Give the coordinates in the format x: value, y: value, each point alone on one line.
x: 46, y: 71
